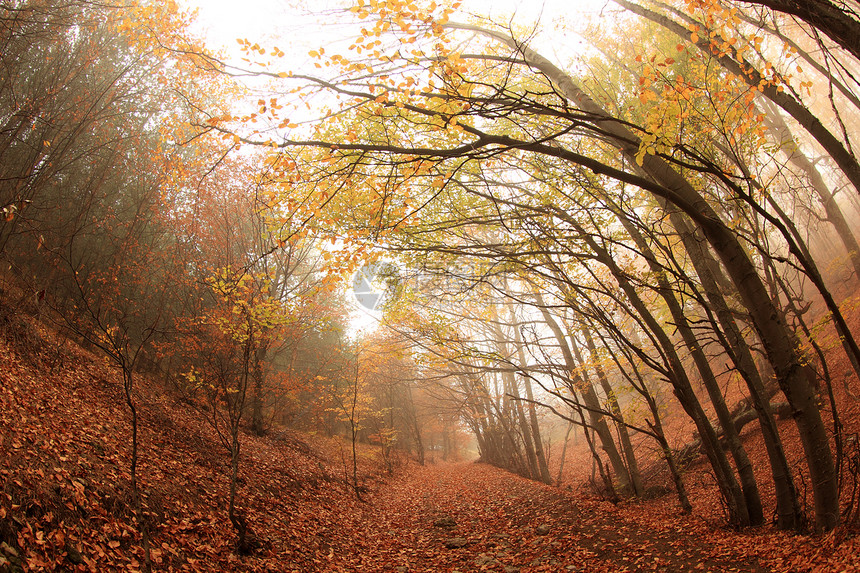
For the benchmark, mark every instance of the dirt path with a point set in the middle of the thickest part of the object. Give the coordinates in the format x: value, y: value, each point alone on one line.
x: 500, y: 522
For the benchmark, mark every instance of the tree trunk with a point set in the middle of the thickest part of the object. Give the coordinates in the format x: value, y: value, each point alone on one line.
x: 353, y: 428
x: 512, y: 390
x: 236, y: 520
x: 128, y: 386
x: 416, y: 427
x: 742, y: 462
x: 525, y: 429
x: 563, y: 454
x: 674, y: 471
x: 572, y: 358
x: 835, y: 21
x: 612, y: 400
x: 257, y: 396
x: 729, y: 488
x: 601, y: 428
x: 656, y: 428
x: 540, y: 454
x: 604, y: 475
x: 789, y: 512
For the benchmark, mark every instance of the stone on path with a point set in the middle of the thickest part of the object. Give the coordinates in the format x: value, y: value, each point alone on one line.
x: 456, y: 542
x: 446, y: 521
x: 484, y: 560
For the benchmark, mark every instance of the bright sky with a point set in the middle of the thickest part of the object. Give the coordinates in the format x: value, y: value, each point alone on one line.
x: 223, y: 21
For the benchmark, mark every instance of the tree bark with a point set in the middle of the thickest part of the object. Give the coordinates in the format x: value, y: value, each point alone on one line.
x: 657, y: 429
x: 563, y: 454
x: 257, y: 425
x: 837, y: 23
x: 512, y: 390
x: 540, y: 454
x: 729, y: 488
x: 128, y: 386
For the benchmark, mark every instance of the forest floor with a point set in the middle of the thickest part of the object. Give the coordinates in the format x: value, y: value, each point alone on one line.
x: 473, y: 517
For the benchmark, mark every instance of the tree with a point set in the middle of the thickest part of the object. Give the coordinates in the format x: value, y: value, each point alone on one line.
x: 575, y: 364
x: 223, y: 346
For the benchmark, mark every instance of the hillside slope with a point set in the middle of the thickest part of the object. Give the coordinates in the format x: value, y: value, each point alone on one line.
x: 65, y: 495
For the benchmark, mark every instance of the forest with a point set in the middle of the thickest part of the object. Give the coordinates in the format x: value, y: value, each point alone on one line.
x: 426, y: 285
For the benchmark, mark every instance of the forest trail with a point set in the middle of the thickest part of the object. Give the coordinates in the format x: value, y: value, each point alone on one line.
x: 497, y: 521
